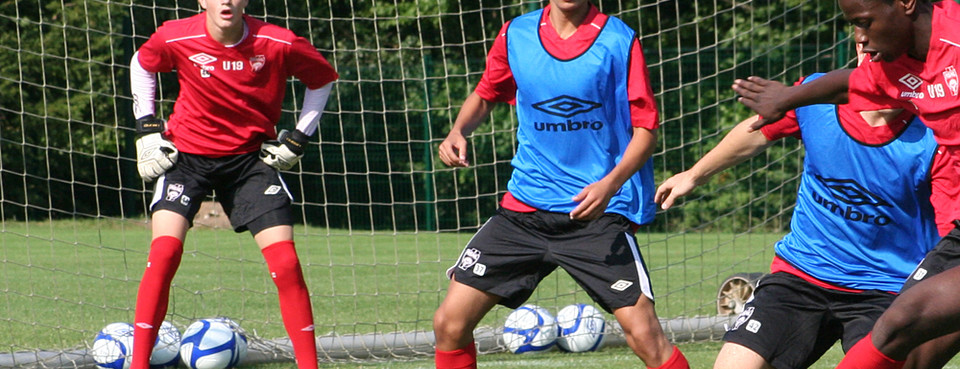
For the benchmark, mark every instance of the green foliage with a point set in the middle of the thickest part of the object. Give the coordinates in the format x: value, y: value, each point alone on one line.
x: 58, y: 139
x: 65, y: 279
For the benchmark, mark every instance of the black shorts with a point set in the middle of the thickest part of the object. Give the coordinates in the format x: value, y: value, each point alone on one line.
x: 251, y: 192
x: 944, y: 256
x: 791, y: 322
x: 514, y: 251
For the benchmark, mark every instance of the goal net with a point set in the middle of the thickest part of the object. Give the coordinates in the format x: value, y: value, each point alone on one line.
x: 379, y: 217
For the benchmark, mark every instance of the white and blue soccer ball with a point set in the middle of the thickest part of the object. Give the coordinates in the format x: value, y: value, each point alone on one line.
x: 113, y: 346
x: 215, y: 343
x: 530, y: 328
x: 166, y: 350
x: 582, y: 328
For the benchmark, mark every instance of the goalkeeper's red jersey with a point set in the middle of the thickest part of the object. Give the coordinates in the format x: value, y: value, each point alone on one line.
x: 230, y: 96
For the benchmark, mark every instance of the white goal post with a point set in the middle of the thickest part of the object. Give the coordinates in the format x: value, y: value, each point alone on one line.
x: 379, y: 217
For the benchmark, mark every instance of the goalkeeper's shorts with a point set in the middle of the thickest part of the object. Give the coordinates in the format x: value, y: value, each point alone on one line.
x: 514, y: 251
x: 791, y: 322
x: 252, y: 194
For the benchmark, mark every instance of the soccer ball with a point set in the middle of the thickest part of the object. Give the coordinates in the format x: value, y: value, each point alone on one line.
x: 214, y: 343
x: 166, y: 350
x: 581, y: 328
x: 529, y: 328
x: 113, y: 346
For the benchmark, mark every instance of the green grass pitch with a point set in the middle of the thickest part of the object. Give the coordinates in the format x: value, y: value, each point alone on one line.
x: 61, y: 281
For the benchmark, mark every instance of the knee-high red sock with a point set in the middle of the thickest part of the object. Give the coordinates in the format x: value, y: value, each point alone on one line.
x: 864, y: 355
x: 676, y: 361
x: 464, y: 358
x: 152, y: 297
x: 294, y: 301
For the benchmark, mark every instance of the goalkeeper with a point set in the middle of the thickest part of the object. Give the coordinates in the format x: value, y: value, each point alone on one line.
x: 855, y: 235
x: 221, y: 138
x: 582, y: 178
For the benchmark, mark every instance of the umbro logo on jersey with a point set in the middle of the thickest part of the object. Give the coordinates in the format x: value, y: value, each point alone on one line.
x: 566, y: 106
x: 202, y: 58
x: 911, y: 81
x: 851, y: 192
x: 858, y: 204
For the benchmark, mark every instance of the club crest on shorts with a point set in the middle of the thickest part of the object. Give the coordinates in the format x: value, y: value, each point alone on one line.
x: 743, y: 317
x: 174, y: 190
x: 470, y: 257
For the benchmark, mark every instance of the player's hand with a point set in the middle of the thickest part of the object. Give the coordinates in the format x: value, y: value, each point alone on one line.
x: 762, y: 96
x: 453, y: 150
x: 593, y: 201
x: 680, y: 184
x: 154, y: 153
x: 284, y: 152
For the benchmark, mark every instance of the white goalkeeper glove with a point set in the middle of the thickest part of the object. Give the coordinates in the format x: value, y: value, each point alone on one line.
x: 284, y: 152
x: 154, y: 153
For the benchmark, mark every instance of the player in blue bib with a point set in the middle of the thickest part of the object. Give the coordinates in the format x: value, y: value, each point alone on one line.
x: 862, y: 222
x: 582, y: 180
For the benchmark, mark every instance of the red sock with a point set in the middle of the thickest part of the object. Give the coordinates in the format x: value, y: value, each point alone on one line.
x: 464, y: 358
x: 295, y: 307
x: 864, y: 355
x: 152, y: 297
x: 676, y: 361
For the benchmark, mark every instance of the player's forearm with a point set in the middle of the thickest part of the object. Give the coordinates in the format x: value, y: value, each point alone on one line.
x: 831, y: 88
x: 143, y: 86
x: 638, y: 151
x: 740, y: 144
x: 474, y: 110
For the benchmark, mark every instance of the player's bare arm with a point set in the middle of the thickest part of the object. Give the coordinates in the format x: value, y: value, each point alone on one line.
x: 772, y: 99
x: 594, y: 198
x: 453, y: 149
x: 737, y: 146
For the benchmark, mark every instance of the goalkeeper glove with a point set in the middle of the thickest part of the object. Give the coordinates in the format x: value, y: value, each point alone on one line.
x: 284, y: 152
x: 154, y: 153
